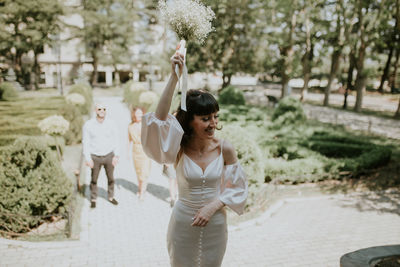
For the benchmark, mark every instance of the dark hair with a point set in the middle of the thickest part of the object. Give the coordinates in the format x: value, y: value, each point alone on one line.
x: 198, y: 102
x: 133, y: 111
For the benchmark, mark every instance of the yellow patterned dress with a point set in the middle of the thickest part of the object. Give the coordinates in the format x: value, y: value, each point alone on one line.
x: 141, y: 161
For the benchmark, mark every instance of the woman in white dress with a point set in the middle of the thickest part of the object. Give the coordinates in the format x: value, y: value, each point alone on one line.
x: 208, y: 172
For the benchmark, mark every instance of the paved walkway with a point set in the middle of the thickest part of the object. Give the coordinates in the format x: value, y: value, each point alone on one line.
x: 305, y: 231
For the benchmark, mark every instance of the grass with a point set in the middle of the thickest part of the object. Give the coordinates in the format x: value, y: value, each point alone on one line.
x: 21, y: 116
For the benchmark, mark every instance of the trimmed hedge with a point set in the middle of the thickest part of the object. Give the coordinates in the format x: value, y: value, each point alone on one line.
x: 73, y: 114
x: 288, y: 111
x: 132, y: 93
x: 356, y: 154
x: 231, y: 95
x: 33, y: 183
x: 8, y: 91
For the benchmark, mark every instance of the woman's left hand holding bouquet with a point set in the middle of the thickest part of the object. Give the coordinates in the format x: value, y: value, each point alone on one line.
x: 177, y: 59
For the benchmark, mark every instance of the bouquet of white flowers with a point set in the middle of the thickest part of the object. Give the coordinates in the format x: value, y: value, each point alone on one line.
x: 147, y: 98
x: 191, y: 20
x: 75, y: 99
x: 54, y: 125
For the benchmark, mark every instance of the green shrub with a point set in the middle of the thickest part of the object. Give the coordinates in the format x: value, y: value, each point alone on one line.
x: 248, y: 151
x: 288, y: 111
x: 85, y: 90
x: 135, y: 92
x: 8, y: 91
x: 72, y: 114
x: 231, y: 95
x: 355, y: 153
x: 32, y: 183
x: 244, y: 114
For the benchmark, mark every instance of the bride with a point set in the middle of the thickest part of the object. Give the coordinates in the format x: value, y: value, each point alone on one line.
x: 208, y: 172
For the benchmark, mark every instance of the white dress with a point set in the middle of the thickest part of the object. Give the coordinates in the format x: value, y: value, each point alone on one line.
x: 190, y: 246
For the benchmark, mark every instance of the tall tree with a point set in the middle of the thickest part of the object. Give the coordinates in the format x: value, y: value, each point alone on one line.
x: 27, y: 26
x: 337, y: 39
x: 369, y: 15
x: 280, y: 30
x: 120, y: 26
x: 390, y: 40
x: 107, y: 32
x: 231, y: 47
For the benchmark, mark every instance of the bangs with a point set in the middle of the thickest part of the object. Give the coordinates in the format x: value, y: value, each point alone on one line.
x: 202, y: 104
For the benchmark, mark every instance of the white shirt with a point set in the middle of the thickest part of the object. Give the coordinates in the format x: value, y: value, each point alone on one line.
x: 99, y: 138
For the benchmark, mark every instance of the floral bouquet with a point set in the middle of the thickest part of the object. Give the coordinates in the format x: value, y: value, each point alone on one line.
x: 54, y: 125
x: 147, y: 99
x: 191, y: 20
x: 75, y: 99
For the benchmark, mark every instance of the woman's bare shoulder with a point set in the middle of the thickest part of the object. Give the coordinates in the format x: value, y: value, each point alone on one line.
x: 229, y: 153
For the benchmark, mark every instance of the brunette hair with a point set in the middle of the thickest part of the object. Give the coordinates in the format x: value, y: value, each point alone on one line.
x: 198, y: 102
x: 133, y: 116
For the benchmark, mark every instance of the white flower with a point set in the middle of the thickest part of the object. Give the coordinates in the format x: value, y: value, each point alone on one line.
x: 147, y: 98
x: 75, y: 99
x: 190, y: 19
x: 136, y: 87
x: 54, y: 125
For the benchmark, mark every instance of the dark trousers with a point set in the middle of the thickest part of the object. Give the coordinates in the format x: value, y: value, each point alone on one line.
x: 99, y: 161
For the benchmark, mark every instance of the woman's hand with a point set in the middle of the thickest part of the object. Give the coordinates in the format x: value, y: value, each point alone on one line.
x: 177, y: 59
x: 204, y: 214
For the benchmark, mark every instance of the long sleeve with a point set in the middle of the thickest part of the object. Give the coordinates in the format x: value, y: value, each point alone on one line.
x: 86, y: 142
x: 161, y: 139
x: 234, y: 187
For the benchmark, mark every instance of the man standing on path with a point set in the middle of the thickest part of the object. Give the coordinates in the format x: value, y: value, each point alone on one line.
x: 100, y: 148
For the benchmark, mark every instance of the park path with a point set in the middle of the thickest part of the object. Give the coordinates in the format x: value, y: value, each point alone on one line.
x: 304, y: 231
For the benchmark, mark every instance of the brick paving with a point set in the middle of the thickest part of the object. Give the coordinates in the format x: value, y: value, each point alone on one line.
x: 306, y: 231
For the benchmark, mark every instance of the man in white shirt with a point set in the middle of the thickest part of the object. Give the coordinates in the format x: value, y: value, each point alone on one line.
x: 100, y: 148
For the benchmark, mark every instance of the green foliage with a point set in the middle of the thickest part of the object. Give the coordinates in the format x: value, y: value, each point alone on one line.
x: 86, y: 91
x: 231, y: 95
x: 20, y: 117
x: 33, y: 184
x: 244, y: 114
x: 288, y: 111
x: 231, y: 47
x: 357, y: 154
x: 248, y: 152
x: 37, y: 22
x: 72, y: 114
x: 8, y: 91
x: 132, y: 95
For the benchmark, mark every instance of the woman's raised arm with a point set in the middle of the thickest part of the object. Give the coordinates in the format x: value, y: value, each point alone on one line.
x: 166, y: 98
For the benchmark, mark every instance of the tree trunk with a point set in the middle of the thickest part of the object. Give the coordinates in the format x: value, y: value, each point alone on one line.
x: 307, y: 61
x: 360, y: 79
x: 349, y: 83
x: 397, y: 114
x: 287, y: 56
x: 392, y: 79
x: 116, y: 77
x: 226, y: 80
x: 94, y: 77
x: 386, y: 69
x: 285, y: 85
x: 335, y: 63
x: 36, y: 70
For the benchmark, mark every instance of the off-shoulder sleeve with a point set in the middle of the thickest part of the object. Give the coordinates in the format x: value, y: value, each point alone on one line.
x: 234, y: 187
x: 161, y: 139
